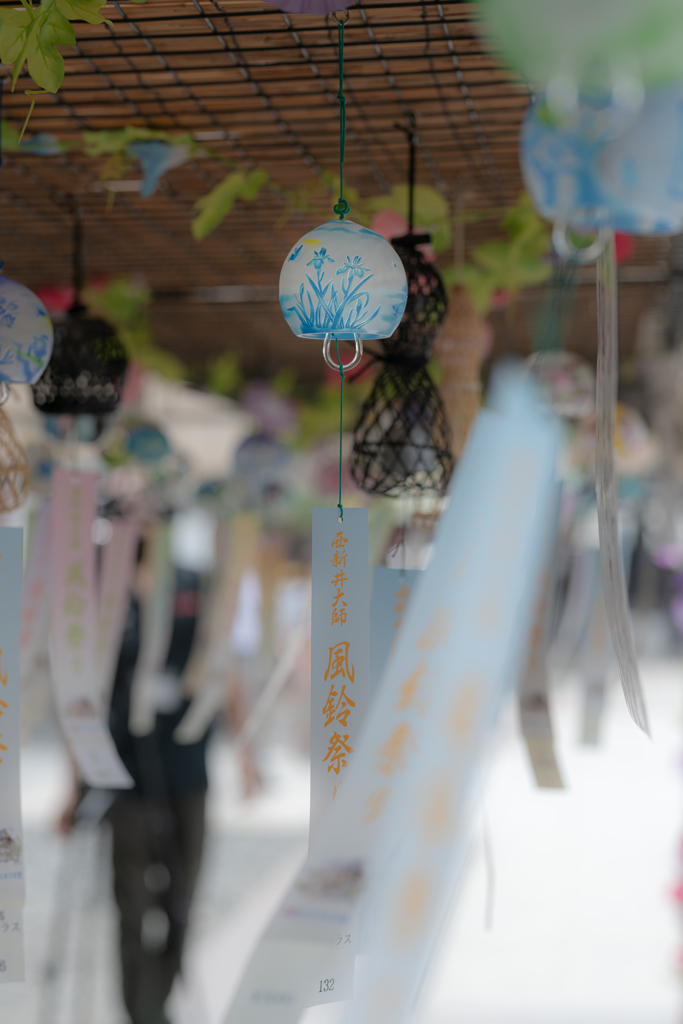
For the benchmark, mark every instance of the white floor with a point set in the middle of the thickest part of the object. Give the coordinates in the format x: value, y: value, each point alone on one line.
x: 584, y: 927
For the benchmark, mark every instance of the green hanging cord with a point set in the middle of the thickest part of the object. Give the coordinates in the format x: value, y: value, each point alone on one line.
x: 341, y: 430
x: 342, y: 207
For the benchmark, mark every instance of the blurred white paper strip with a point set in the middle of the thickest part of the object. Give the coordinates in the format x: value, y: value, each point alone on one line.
x: 391, y: 590
x: 533, y: 690
x: 466, y: 638
x: 596, y: 657
x: 607, y: 488
x: 596, y: 654
x: 156, y: 624
x: 340, y: 649
x: 398, y: 829
x: 298, y: 637
x: 118, y: 567
x: 577, y: 607
x: 340, y: 682
x: 205, y: 678
x: 11, y: 838
x: 74, y: 632
x: 35, y: 605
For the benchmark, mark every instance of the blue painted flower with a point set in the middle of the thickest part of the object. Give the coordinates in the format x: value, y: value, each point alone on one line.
x: 319, y: 258
x: 353, y: 268
x: 295, y: 253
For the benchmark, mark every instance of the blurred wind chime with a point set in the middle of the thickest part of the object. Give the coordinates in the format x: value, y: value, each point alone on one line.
x: 600, y: 152
x: 25, y: 345
x: 602, y: 220
x: 402, y: 437
x: 26, y: 340
x: 88, y: 366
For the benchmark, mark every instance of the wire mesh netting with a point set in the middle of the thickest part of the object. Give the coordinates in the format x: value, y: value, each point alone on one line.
x: 401, y: 440
x: 426, y: 305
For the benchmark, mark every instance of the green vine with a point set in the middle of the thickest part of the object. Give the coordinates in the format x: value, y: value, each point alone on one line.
x: 510, y: 264
x: 31, y: 36
x: 123, y: 303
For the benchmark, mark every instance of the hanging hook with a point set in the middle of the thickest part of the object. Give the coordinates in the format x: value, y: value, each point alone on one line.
x: 4, y: 391
x: 332, y: 363
x: 413, y: 139
x: 566, y: 250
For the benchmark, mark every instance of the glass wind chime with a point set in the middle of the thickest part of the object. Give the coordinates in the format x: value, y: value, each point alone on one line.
x: 341, y: 281
x: 26, y: 340
x: 88, y: 366
x: 624, y: 177
x: 402, y: 438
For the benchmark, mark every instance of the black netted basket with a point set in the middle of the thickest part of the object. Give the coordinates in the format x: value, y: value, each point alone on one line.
x: 401, y: 442
x: 402, y: 438
x: 426, y: 305
x: 87, y: 369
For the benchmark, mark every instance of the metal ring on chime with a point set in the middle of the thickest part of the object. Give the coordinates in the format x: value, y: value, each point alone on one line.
x: 343, y: 20
x: 566, y: 250
x: 358, y: 355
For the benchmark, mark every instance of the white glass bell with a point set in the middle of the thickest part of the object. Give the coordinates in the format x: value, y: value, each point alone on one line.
x: 26, y: 334
x: 342, y: 281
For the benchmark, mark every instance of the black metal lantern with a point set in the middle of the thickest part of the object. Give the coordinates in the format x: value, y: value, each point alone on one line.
x: 87, y: 370
x: 401, y: 442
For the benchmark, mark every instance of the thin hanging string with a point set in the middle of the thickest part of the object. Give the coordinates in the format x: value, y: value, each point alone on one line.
x: 411, y: 179
x: 341, y: 207
x: 341, y: 430
x: 2, y: 85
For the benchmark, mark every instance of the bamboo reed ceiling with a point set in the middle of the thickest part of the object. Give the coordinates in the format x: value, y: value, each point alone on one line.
x: 259, y: 87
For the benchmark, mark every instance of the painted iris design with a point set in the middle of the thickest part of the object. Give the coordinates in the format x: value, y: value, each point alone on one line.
x: 319, y: 258
x: 353, y: 268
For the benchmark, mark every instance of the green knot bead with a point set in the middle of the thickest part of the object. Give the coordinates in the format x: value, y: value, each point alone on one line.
x: 342, y: 208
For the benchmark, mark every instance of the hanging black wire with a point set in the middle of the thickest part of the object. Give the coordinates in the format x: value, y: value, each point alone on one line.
x: 402, y: 437
x: 87, y: 370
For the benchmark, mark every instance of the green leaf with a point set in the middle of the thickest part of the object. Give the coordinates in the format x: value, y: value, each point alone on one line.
x: 45, y: 63
x: 57, y: 30
x: 124, y: 303
x: 14, y: 39
x: 253, y: 185
x: 31, y: 36
x: 114, y: 143
x: 9, y: 140
x: 83, y: 10
x: 218, y: 203
x: 430, y: 210
x: 104, y: 143
x: 224, y: 375
x: 481, y: 286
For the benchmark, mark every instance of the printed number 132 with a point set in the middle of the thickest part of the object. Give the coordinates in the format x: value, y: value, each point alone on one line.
x: 326, y: 985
